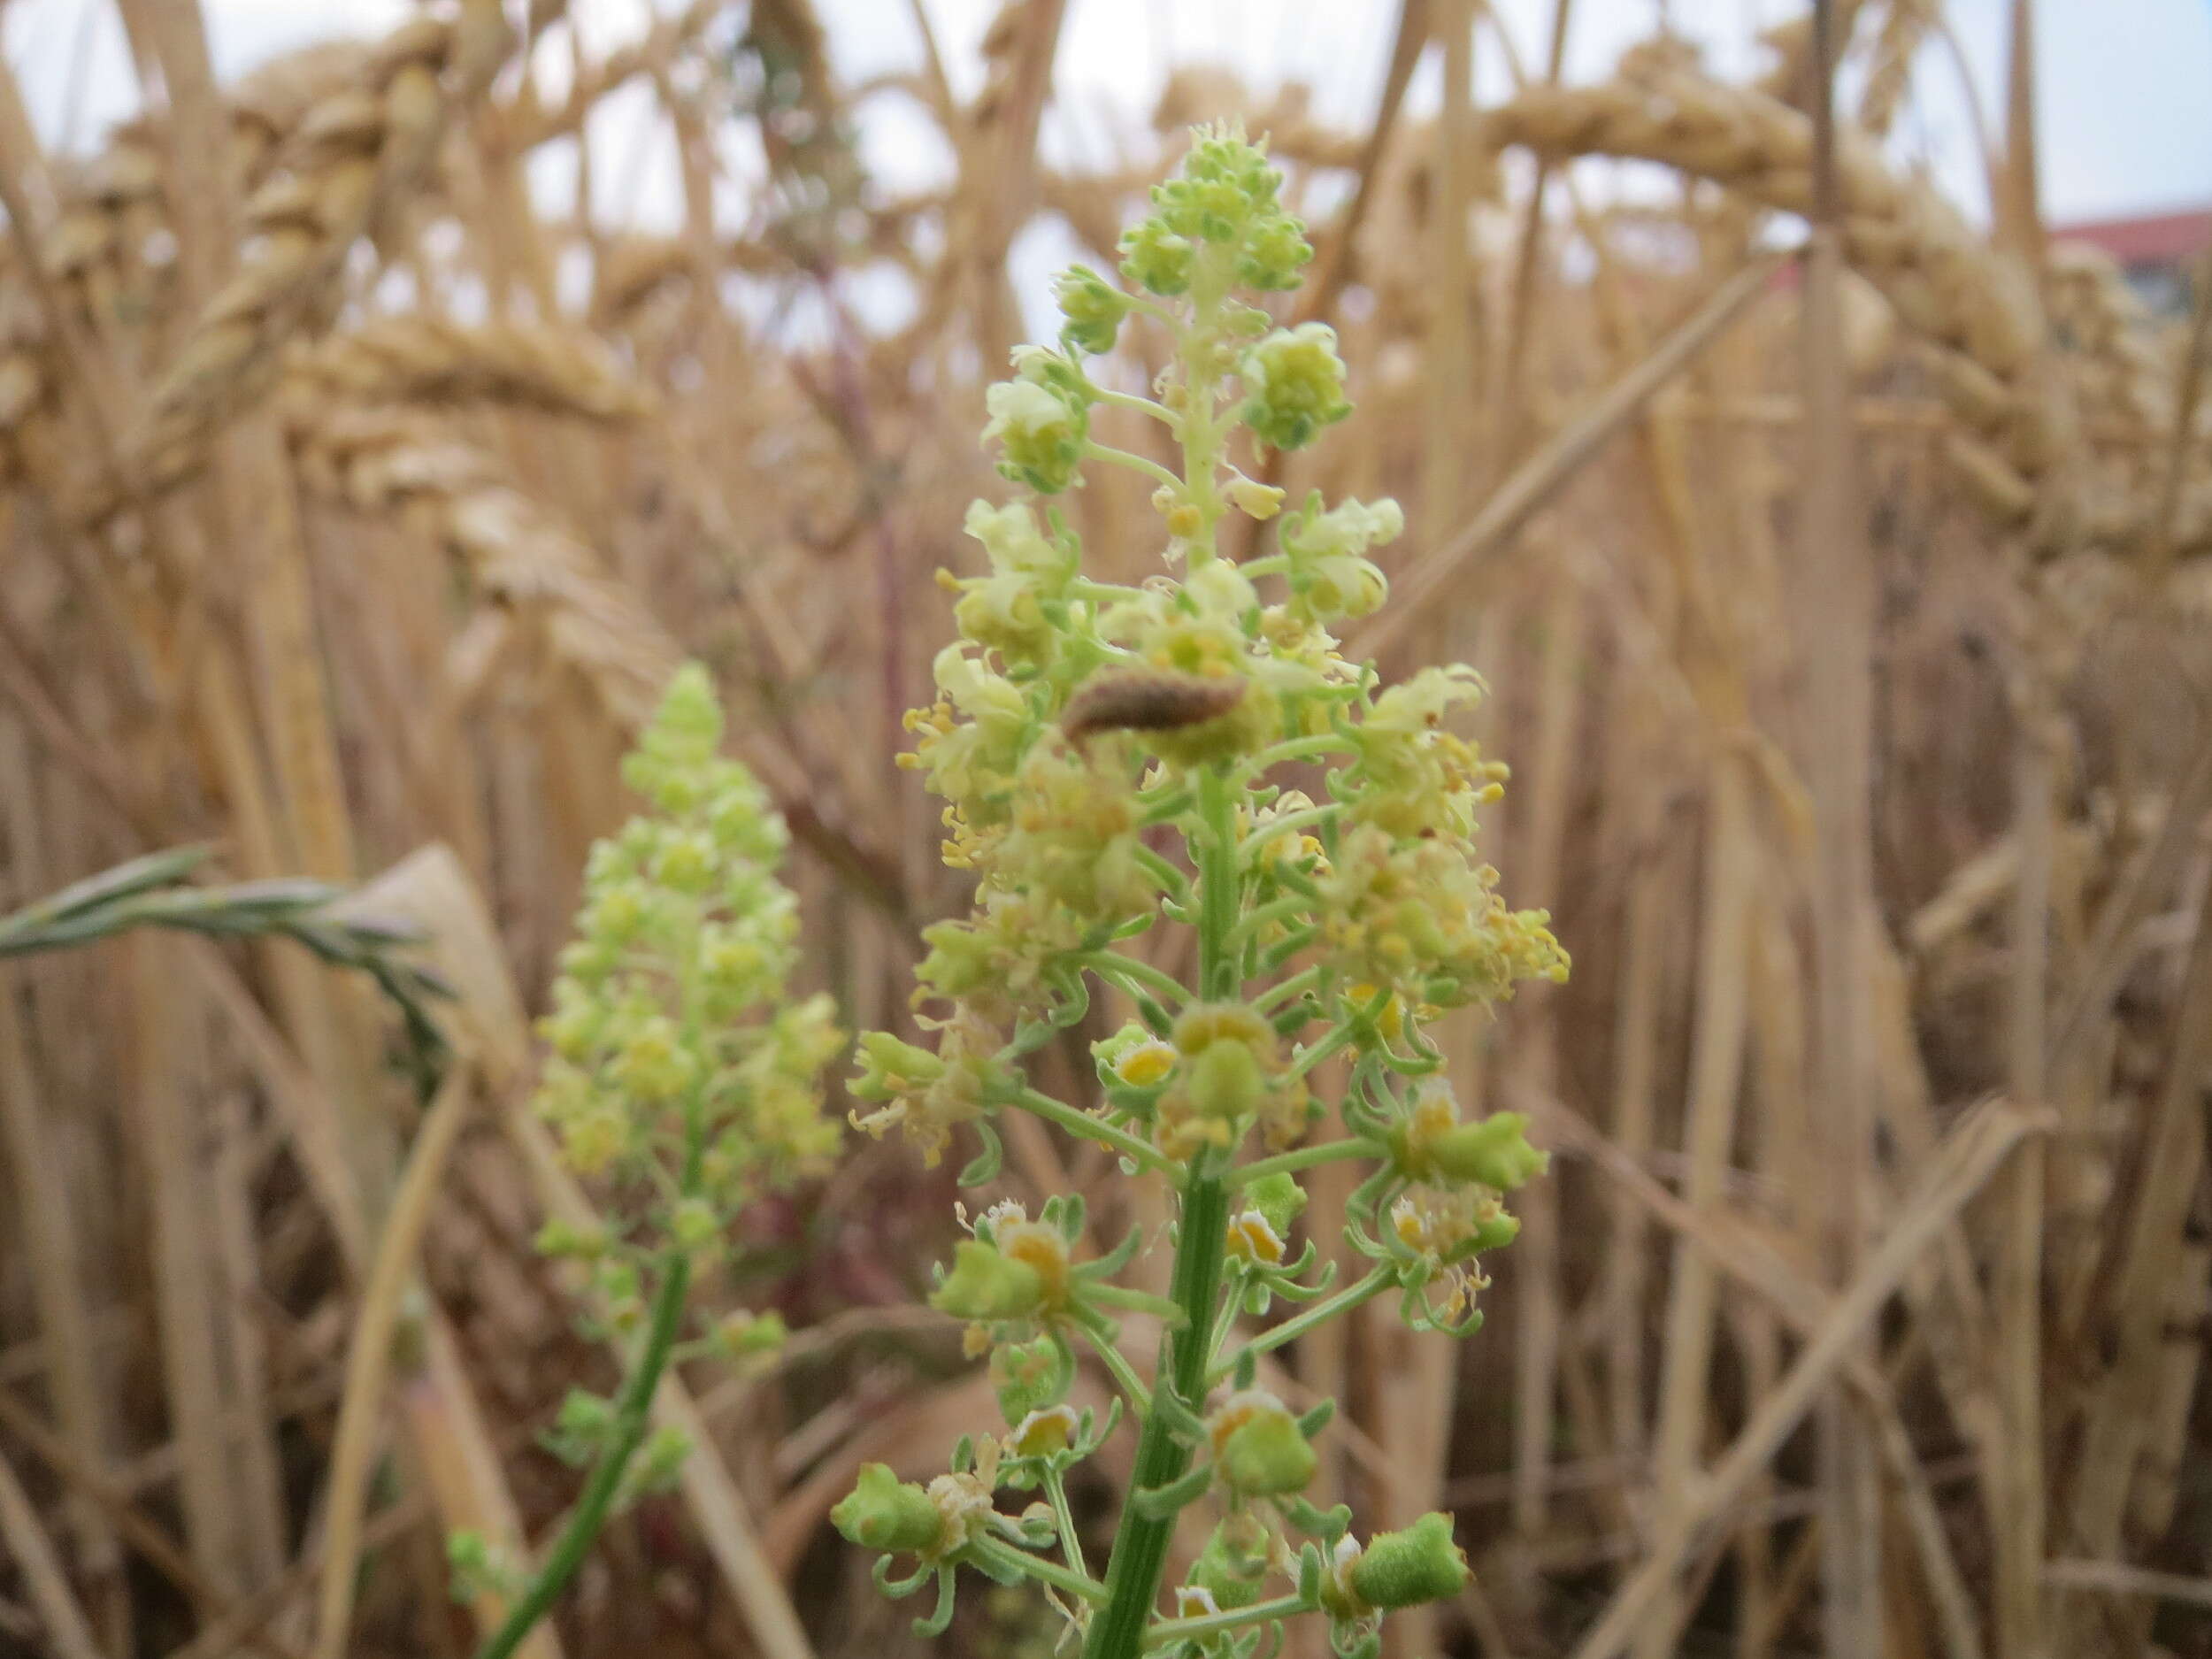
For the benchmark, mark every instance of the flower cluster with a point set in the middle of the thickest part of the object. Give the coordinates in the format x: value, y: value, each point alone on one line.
x: 1226, y: 208
x: 672, y: 1036
x: 685, y: 1076
x: 1196, y: 751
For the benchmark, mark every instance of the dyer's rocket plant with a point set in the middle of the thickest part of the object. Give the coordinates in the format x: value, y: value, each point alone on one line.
x: 684, y: 1077
x: 1118, y: 759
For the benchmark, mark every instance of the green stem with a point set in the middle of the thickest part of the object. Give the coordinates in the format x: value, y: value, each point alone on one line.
x: 1161, y: 809
x: 1278, y: 910
x: 1173, y: 881
x: 1100, y: 1335
x: 1075, y: 1584
x: 1102, y: 593
x: 1201, y: 436
x: 1296, y: 748
x: 634, y: 1407
x: 1063, y: 1518
x: 1220, y: 893
x: 632, y: 1416
x: 1319, y: 1314
x: 1112, y: 965
x: 1173, y: 1630
x: 1139, y: 1555
x: 1078, y: 1122
x: 1291, y: 989
x: 1096, y: 452
x: 1289, y: 823
x: 1313, y: 1057
x: 1306, y: 1157
x: 1140, y: 406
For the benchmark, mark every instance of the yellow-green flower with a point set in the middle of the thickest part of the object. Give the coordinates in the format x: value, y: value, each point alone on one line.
x: 1294, y: 386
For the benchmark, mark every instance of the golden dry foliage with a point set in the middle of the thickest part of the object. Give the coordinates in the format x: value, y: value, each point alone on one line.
x: 359, y: 499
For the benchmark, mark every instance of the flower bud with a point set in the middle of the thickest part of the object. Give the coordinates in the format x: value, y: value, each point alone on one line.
x: 1434, y: 1145
x: 890, y: 1067
x: 580, y: 1428
x: 1267, y: 1457
x: 752, y: 1338
x: 658, y: 1461
x: 1494, y: 1152
x: 679, y: 741
x: 1294, y: 384
x: 985, y: 1284
x: 1277, y: 1198
x: 1156, y: 259
x: 560, y: 1240
x: 1403, y: 1569
x: 1093, y: 308
x: 959, y: 959
x: 1259, y: 1449
x: 1043, y: 1432
x: 1224, y: 1080
x: 1030, y: 1376
x: 1254, y: 500
x: 884, y: 1512
x: 693, y: 1222
x: 1221, y: 589
x: 1226, y: 1051
x: 655, y: 1065
x: 478, y: 1566
x: 1276, y: 252
x: 1040, y: 424
x: 1229, y: 1569
x: 686, y: 862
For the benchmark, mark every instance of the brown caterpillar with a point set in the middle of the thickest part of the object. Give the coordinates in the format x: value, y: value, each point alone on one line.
x: 1146, y: 701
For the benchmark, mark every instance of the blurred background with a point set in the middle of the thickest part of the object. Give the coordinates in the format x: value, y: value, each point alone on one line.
x: 391, y: 397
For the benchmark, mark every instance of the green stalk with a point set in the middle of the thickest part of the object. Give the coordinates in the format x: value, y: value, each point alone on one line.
x: 1063, y: 1518
x: 1307, y: 1158
x: 1235, y: 1619
x: 633, y: 1407
x: 633, y: 1417
x: 1350, y: 1297
x: 1139, y: 1554
x: 1144, y: 465
x: 1062, y: 1578
x: 1142, y: 1153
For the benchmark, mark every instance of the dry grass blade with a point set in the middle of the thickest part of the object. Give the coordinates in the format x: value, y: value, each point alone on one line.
x: 1970, y: 1155
x: 2114, y: 1577
x: 369, y: 1360
x: 66, y: 1626
x: 1537, y: 479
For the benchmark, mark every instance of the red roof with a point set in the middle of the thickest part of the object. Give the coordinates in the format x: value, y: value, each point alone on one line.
x: 2155, y: 239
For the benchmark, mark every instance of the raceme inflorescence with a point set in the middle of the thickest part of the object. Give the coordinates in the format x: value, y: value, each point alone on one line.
x: 686, y: 1076
x: 1117, y: 760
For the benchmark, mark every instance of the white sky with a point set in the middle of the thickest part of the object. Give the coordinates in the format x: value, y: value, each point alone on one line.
x: 2125, y: 86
